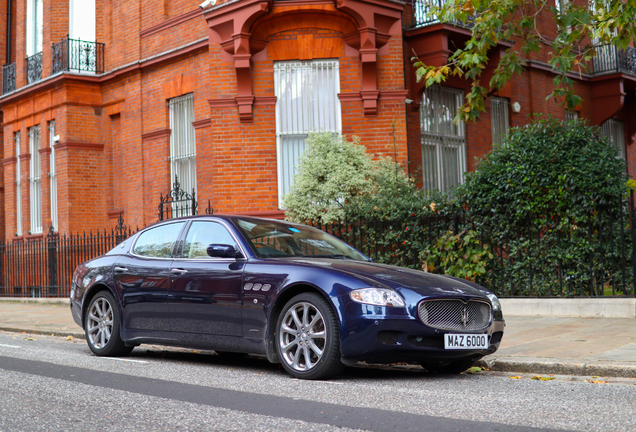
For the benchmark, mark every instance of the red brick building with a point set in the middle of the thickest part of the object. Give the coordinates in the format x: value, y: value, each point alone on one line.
x: 104, y: 102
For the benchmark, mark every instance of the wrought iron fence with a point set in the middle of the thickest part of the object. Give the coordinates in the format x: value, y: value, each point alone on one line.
x: 77, y: 55
x: 34, y: 68
x: 611, y: 59
x: 177, y: 203
x: 44, y: 267
x: 424, y: 13
x: 8, y: 78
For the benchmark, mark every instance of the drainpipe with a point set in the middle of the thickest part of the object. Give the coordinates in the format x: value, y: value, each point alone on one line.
x: 8, y: 32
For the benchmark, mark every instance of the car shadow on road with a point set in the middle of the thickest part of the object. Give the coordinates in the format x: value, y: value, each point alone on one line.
x: 259, y: 364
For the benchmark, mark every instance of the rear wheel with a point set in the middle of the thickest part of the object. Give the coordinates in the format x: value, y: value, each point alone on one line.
x: 102, y: 327
x: 448, y: 367
x: 308, y: 338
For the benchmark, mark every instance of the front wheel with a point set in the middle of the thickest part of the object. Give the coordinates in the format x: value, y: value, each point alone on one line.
x: 102, y: 327
x: 308, y: 338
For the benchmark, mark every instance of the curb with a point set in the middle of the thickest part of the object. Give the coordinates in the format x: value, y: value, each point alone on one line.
x: 44, y: 333
x: 38, y: 300
x: 559, y: 367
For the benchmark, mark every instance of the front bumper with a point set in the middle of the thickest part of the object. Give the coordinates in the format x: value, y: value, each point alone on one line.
x: 392, y: 339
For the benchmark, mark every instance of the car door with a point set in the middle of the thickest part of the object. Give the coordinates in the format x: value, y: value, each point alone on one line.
x: 205, y: 294
x: 142, y: 278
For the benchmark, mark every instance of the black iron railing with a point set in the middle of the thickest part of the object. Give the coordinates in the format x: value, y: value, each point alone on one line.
x: 177, y: 203
x: 44, y: 267
x: 8, y: 78
x: 34, y: 68
x: 611, y: 59
x: 77, y: 55
x: 424, y: 14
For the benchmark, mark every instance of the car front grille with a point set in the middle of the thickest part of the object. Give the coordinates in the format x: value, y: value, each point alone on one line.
x: 455, y: 314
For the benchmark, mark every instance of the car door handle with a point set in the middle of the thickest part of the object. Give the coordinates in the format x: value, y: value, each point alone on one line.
x: 178, y: 271
x: 120, y: 269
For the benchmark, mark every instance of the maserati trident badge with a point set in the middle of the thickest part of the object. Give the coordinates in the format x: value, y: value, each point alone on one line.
x: 464, y: 317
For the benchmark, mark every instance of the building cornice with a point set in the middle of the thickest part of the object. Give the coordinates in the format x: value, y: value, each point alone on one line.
x: 156, y: 134
x: 70, y: 145
x: 9, y: 160
x: 200, y: 124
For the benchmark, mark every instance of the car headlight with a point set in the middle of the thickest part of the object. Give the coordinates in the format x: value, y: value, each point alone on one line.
x: 377, y: 297
x: 496, y: 305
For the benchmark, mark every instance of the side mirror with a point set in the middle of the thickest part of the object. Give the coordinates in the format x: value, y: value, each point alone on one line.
x: 223, y: 251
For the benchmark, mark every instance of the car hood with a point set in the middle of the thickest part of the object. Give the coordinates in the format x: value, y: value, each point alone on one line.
x: 375, y: 274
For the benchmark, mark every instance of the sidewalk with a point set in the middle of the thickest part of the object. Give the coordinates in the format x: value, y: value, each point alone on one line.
x: 542, y: 345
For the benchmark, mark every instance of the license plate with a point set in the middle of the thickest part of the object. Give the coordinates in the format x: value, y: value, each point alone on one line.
x: 465, y: 341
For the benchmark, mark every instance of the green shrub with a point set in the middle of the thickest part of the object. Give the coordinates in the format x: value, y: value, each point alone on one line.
x: 551, y: 198
x: 461, y: 255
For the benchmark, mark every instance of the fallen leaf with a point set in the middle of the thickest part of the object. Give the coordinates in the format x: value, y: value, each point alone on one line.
x: 515, y: 377
x: 474, y: 370
x: 542, y: 378
x: 596, y: 381
x: 69, y: 338
x: 31, y: 339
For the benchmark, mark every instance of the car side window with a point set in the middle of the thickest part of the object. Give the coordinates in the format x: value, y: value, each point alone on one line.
x: 202, y: 234
x: 158, y: 242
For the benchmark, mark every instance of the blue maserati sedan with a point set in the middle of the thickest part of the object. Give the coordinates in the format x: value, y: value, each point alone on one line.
x: 290, y: 292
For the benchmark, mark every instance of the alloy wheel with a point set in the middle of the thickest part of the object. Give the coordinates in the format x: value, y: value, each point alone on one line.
x: 302, y: 336
x: 100, y: 323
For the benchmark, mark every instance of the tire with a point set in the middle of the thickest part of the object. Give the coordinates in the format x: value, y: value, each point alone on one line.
x: 448, y: 367
x: 102, y: 326
x: 308, y: 338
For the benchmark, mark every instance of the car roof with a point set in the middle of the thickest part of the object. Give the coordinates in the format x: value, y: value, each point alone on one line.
x: 223, y: 216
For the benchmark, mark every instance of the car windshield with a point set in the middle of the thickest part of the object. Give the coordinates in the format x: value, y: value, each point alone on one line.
x: 271, y: 239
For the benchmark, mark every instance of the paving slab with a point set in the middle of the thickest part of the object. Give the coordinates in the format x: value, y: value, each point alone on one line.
x: 52, y: 317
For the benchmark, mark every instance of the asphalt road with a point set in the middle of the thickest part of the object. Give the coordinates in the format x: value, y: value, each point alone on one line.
x: 53, y: 384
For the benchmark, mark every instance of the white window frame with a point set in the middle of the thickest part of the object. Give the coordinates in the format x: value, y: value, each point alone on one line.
x: 306, y: 101
x: 35, y: 21
x: 35, y: 181
x: 18, y: 186
x: 53, y: 176
x: 615, y: 131
x: 499, y: 118
x: 443, y: 141
x: 183, y: 152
